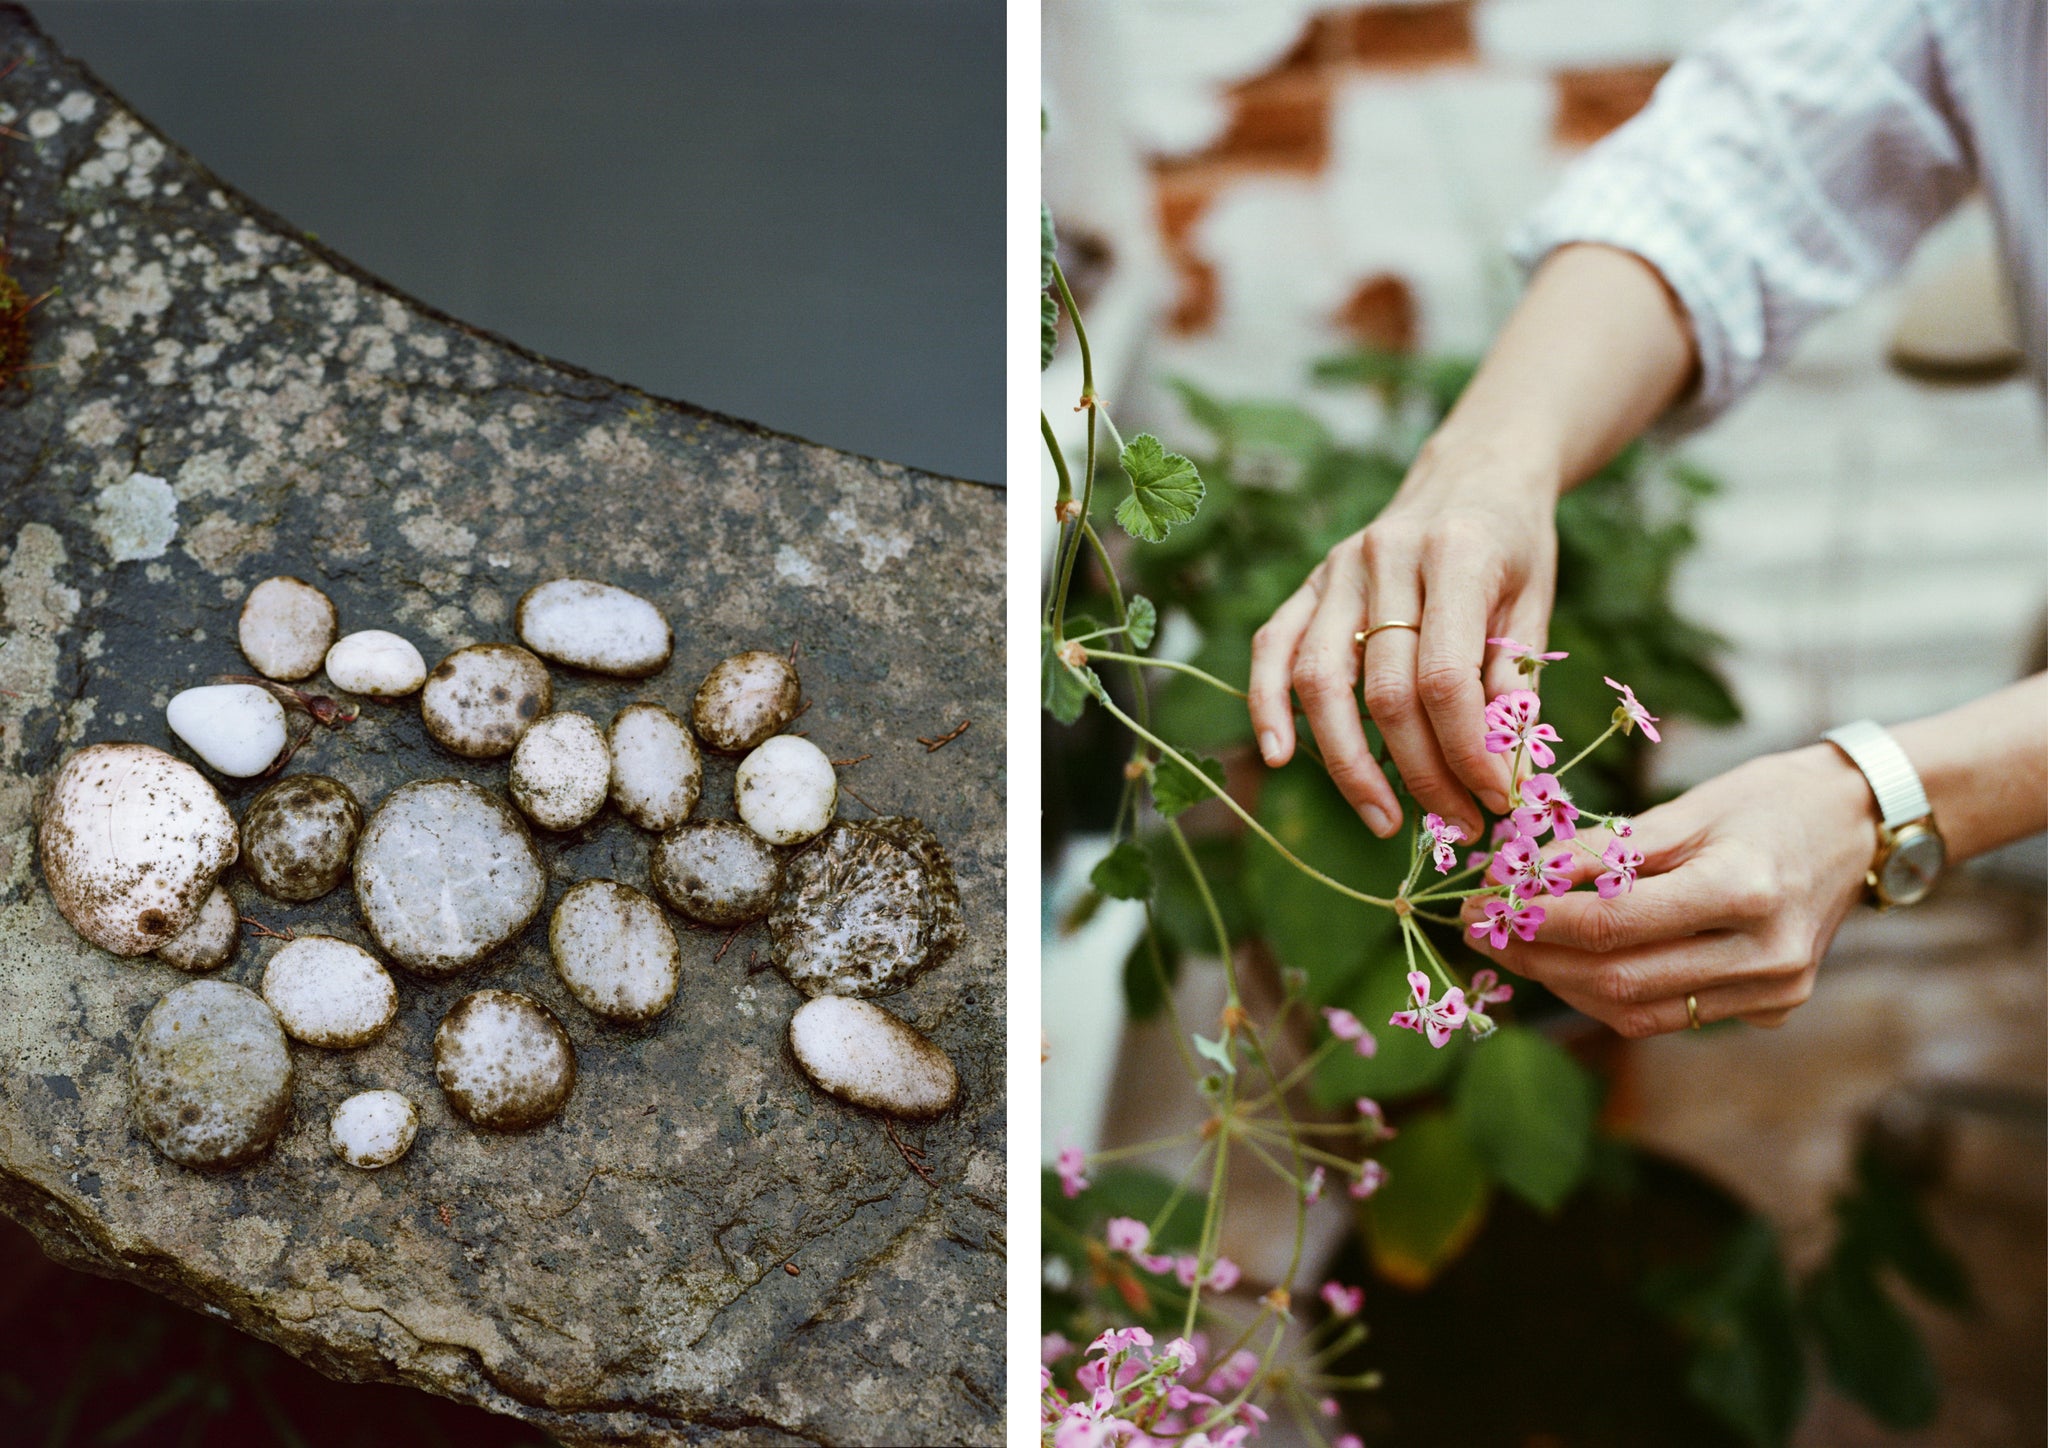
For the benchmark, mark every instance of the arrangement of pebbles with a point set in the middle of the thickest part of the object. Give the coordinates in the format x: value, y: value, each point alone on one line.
x: 136, y: 844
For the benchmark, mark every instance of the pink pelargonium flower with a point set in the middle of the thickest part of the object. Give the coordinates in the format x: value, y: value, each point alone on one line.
x: 1119, y: 1340
x: 1071, y: 1167
x: 1436, y: 1021
x: 1347, y: 1027
x: 1127, y: 1235
x: 1630, y: 714
x: 1344, y: 1301
x: 1329, y: 1408
x: 1241, y: 1367
x: 1442, y: 835
x: 1224, y: 1274
x: 1511, y: 723
x: 1504, y: 917
x: 1370, y: 1110
x: 1371, y: 1177
x: 1545, y: 806
x: 1622, y: 864
x: 1312, y: 1189
x: 1503, y: 831
x: 1526, y: 656
x: 1487, y: 988
x: 1622, y: 826
x: 1183, y: 1352
x: 1521, y: 865
x: 1348, y: 1440
x: 1052, y: 1347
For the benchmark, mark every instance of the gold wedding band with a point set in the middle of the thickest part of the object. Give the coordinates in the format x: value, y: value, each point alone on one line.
x: 1692, y: 1011
x: 1363, y: 634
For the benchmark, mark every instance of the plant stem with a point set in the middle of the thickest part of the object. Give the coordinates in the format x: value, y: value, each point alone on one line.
x: 1174, y: 664
x: 1561, y: 773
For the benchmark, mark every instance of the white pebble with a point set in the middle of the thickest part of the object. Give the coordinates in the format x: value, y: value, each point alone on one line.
x: 786, y: 790
x: 210, y: 1075
x: 327, y: 992
x: 657, y: 773
x: 503, y: 1060
x: 860, y: 1053
x: 746, y: 699
x: 717, y: 872
x: 594, y: 626
x: 236, y: 728
x: 614, y: 951
x: 373, y: 1128
x: 208, y: 942
x: 286, y: 627
x: 479, y: 700
x: 376, y: 663
x: 445, y: 874
x: 561, y: 772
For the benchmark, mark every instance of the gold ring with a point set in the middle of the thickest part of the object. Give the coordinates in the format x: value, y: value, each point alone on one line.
x: 1692, y: 1011
x: 1363, y: 634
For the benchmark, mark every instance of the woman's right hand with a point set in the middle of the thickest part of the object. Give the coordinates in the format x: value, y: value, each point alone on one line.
x: 1467, y: 550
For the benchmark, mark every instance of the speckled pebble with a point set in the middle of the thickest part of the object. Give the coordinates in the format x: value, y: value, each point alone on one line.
x: 480, y: 700
x: 286, y: 628
x: 376, y: 663
x: 328, y: 992
x: 716, y: 872
x: 239, y: 729
x: 745, y: 700
x: 865, y: 910
x: 615, y: 951
x: 208, y: 943
x: 860, y: 1053
x: 503, y: 1060
x: 594, y: 626
x: 210, y: 1076
x: 657, y: 772
x: 446, y: 874
x: 561, y: 772
x: 786, y: 790
x: 373, y: 1128
x: 299, y: 835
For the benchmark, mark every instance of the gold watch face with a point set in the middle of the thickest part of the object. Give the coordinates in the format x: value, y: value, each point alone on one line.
x: 1913, y: 865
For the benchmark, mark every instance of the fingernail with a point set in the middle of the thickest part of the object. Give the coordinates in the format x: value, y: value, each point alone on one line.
x: 1269, y: 746
x: 1496, y: 802
x: 1376, y: 820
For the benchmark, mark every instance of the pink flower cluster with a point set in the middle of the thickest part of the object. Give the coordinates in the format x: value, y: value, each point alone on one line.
x: 1131, y: 1237
x: 1138, y: 1398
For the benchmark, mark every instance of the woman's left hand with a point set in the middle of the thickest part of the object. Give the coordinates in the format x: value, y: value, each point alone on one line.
x: 1744, y: 882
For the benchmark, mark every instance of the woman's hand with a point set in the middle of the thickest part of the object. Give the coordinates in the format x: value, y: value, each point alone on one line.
x: 1744, y: 882
x: 1467, y: 549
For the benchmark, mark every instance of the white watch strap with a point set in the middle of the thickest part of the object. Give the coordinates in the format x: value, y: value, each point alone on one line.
x: 1901, y: 799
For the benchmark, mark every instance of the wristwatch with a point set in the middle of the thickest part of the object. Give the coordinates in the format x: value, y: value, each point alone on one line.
x: 1910, y: 850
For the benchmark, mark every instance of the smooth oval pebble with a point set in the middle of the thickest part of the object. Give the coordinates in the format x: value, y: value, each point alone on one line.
x: 446, y: 874
x: 376, y: 663
x: 328, y: 992
x: 298, y: 836
x: 209, y: 941
x: 745, y: 700
x: 373, y: 1128
x: 615, y: 951
x: 786, y: 790
x: 657, y: 773
x: 865, y: 910
x: 860, y: 1053
x: 131, y: 841
x: 210, y: 1075
x: 717, y: 872
x: 236, y: 728
x: 286, y: 628
x: 480, y: 700
x: 503, y: 1060
x: 561, y: 772
x: 594, y: 626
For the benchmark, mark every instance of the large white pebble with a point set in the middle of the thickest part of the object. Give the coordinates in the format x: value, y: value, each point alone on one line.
x: 327, y: 992
x: 561, y: 772
x: 209, y: 941
x: 657, y: 773
x: 373, y: 1128
x: 131, y: 841
x: 786, y: 790
x: 376, y: 663
x: 210, y: 1075
x: 445, y: 874
x: 615, y: 951
x: 237, y: 728
x: 860, y: 1053
x: 594, y: 626
x: 286, y: 627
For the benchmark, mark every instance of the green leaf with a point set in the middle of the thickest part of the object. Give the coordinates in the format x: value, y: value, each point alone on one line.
x: 1174, y: 789
x: 1433, y: 1201
x: 1061, y: 693
x: 1048, y: 247
x: 1311, y: 926
x: 1216, y: 1051
x: 1125, y: 873
x: 1883, y: 1216
x: 1141, y: 621
x: 1404, y: 1062
x: 1166, y: 490
x: 1747, y: 1364
x: 1048, y: 329
x: 1528, y: 1109
x: 1872, y: 1350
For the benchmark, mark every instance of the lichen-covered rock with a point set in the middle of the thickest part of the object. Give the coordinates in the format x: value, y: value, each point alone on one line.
x: 208, y: 943
x: 446, y: 874
x: 376, y: 662
x: 298, y: 836
x: 210, y: 1080
x: 239, y: 729
x: 860, y: 1053
x: 561, y: 772
x: 329, y: 992
x: 745, y: 700
x: 716, y: 872
x: 373, y: 1128
x: 866, y: 910
x: 131, y: 841
x: 657, y: 773
x: 614, y: 951
x: 480, y: 700
x: 595, y: 626
x: 503, y: 1060
x: 786, y: 790
x: 286, y: 627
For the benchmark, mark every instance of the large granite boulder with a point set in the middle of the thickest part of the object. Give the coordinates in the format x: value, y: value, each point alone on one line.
x: 700, y: 1245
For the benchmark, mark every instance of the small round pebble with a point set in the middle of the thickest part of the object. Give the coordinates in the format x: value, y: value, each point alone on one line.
x: 717, y: 872
x: 237, y: 728
x: 209, y: 941
x: 615, y: 951
x: 373, y: 1128
x: 746, y: 700
x: 210, y: 1076
x: 480, y: 700
x: 446, y: 874
x: 866, y: 910
x: 287, y: 626
x: 786, y: 790
x: 657, y: 773
x: 503, y: 1060
x: 860, y: 1053
x: 376, y: 663
x: 299, y: 835
x: 595, y: 626
x: 131, y: 841
x: 561, y: 772
x: 327, y: 992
